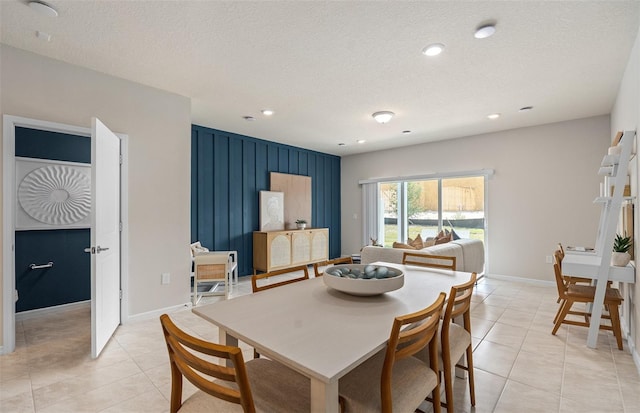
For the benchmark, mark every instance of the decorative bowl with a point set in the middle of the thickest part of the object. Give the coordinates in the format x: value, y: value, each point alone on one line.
x: 363, y: 280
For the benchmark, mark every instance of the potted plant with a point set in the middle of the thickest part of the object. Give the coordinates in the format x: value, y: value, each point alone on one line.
x: 301, y: 223
x: 621, y: 246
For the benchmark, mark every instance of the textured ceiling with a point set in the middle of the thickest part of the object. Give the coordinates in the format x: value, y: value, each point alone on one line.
x: 325, y: 67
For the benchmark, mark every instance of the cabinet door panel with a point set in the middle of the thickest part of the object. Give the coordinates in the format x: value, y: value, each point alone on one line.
x: 301, y: 247
x: 280, y: 251
x: 319, y: 245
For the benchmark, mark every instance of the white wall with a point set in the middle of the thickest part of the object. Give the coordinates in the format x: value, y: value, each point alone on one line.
x: 541, y: 194
x: 626, y: 116
x: 159, y: 127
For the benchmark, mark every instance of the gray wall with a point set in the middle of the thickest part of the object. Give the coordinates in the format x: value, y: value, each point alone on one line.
x: 541, y: 194
x: 159, y: 127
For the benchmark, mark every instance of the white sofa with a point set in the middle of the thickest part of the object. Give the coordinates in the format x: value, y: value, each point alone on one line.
x: 469, y: 254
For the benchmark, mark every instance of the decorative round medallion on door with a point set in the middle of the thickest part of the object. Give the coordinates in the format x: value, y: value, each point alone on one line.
x: 56, y: 195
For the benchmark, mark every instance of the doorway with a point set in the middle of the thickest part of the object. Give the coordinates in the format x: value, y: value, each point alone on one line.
x: 10, y: 213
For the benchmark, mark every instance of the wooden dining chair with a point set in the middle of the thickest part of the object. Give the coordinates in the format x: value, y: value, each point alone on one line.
x: 456, y: 339
x: 335, y: 261
x: 432, y: 261
x: 257, y: 288
x: 393, y: 379
x: 257, y: 385
x: 559, y: 256
x: 575, y: 293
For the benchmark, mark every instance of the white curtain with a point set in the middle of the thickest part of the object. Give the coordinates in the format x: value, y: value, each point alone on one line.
x: 370, y: 212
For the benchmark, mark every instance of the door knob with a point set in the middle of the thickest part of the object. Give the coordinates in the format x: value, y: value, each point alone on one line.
x: 99, y: 249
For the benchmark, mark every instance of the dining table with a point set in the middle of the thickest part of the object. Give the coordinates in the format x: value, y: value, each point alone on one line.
x: 320, y: 332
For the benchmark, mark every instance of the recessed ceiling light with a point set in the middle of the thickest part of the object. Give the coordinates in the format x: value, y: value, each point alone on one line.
x: 267, y: 112
x: 43, y: 8
x: 43, y: 36
x: 360, y: 141
x: 383, y: 116
x: 485, y: 31
x: 342, y: 144
x: 494, y: 116
x: 249, y: 118
x: 525, y: 109
x: 433, y: 49
x: 406, y: 131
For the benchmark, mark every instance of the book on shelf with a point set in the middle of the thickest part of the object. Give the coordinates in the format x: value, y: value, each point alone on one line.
x: 581, y: 249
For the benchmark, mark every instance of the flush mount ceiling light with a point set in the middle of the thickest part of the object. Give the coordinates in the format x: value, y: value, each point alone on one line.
x: 383, y: 116
x: 433, y: 49
x: 485, y: 31
x: 493, y: 116
x: 360, y: 141
x: 43, y: 8
x: 267, y: 112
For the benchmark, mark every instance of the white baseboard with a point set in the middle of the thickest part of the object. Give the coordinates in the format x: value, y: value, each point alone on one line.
x: 39, y: 312
x: 156, y: 313
x: 630, y: 344
x: 520, y: 279
x: 634, y: 353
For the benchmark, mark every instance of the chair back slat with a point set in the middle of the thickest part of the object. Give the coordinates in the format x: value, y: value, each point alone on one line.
x: 431, y: 261
x: 560, y: 250
x: 335, y: 261
x: 558, y: 256
x: 257, y: 288
x: 184, y: 359
x: 196, y: 363
x: 562, y: 286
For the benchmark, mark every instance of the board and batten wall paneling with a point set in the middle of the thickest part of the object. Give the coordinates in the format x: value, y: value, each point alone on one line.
x: 227, y: 173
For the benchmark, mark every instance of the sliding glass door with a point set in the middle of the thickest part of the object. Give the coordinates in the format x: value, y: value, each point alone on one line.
x: 426, y: 207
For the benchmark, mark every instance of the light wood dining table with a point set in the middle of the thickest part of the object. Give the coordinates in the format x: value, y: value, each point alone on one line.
x: 320, y: 332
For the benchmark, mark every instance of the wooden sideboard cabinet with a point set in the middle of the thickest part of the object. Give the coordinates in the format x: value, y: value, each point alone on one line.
x: 274, y: 250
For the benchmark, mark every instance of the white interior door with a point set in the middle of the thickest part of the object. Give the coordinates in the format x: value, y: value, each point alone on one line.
x: 105, y: 235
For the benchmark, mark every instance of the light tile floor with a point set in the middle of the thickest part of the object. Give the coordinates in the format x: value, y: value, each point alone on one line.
x: 520, y: 366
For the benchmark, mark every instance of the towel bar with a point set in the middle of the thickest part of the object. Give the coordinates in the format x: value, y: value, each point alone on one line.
x: 38, y: 267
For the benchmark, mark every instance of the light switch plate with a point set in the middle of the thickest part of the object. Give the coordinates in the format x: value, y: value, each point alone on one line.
x: 166, y: 278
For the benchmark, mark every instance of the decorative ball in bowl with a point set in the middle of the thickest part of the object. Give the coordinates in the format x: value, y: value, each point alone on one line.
x: 363, y: 280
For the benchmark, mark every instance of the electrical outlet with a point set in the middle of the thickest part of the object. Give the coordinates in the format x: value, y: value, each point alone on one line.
x: 166, y: 278
x: 549, y: 259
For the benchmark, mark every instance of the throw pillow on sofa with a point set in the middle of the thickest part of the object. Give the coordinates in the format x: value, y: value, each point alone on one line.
x: 443, y: 237
x: 429, y: 242
x: 403, y: 246
x: 416, y: 243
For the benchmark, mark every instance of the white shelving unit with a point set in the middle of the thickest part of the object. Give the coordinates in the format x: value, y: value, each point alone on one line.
x: 596, y: 264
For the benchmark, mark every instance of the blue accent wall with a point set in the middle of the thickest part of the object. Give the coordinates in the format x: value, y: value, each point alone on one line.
x: 34, y: 143
x: 227, y: 173
x: 70, y: 278
x: 68, y: 281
